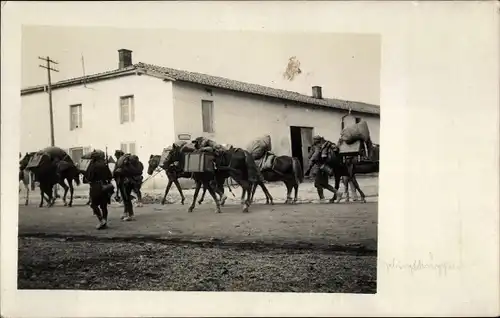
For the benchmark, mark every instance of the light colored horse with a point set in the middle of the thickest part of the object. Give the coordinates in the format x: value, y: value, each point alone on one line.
x: 28, y: 181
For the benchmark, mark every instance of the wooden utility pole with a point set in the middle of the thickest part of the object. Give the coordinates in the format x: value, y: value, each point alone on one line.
x: 49, y: 90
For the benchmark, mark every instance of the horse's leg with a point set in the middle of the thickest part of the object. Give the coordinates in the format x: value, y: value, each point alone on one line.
x: 288, y: 192
x: 296, y: 194
x: 51, y: 199
x: 137, y: 190
x: 26, y: 185
x: 203, y: 194
x: 179, y: 188
x: 66, y: 188
x: 196, y: 191
x: 254, y: 189
x: 223, y: 196
x: 71, y: 191
x: 118, y: 193
x: 246, y: 190
x: 345, y: 182
x: 208, y: 186
x: 353, y: 190
x: 269, y: 197
x: 243, y: 192
x: 42, y: 195
x: 167, y: 189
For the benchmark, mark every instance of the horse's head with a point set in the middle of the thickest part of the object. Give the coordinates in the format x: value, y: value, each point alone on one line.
x: 153, y: 163
x: 25, y: 160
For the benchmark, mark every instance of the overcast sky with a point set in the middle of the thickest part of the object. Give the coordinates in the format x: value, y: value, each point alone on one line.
x: 346, y: 66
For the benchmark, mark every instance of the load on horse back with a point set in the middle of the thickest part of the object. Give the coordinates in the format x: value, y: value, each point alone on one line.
x: 236, y: 163
x: 276, y: 168
x: 174, y: 171
x: 358, y: 153
x: 211, y: 164
x: 342, y: 161
x: 128, y: 176
x: 51, y: 166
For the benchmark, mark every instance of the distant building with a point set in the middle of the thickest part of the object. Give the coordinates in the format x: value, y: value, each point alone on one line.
x: 143, y: 108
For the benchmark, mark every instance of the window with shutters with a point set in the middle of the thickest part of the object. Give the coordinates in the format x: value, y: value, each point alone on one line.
x: 128, y: 147
x: 75, y: 116
x: 127, y: 109
x: 207, y: 113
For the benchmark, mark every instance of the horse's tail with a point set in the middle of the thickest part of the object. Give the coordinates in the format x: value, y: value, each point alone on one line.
x: 297, y: 170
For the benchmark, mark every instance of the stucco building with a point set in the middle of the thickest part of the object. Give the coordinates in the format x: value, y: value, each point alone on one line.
x: 143, y: 108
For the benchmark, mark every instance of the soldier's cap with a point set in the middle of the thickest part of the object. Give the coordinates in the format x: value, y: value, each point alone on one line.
x: 317, y: 137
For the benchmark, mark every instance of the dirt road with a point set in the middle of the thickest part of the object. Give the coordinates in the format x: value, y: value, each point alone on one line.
x: 296, y: 248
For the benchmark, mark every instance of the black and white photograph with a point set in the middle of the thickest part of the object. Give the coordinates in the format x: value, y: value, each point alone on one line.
x: 222, y: 159
x: 192, y: 161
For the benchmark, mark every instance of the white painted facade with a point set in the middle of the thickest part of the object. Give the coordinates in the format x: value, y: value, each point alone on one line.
x: 152, y: 126
x: 239, y: 118
x: 164, y: 109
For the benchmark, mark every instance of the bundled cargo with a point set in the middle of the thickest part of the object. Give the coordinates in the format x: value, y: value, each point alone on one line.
x: 188, y: 147
x: 35, y: 160
x: 258, y: 147
x: 352, y: 149
x: 266, y: 162
x: 356, y: 132
x: 199, y: 162
x: 129, y: 165
x: 164, y: 155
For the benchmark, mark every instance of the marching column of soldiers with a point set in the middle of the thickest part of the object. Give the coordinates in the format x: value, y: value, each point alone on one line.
x: 127, y: 180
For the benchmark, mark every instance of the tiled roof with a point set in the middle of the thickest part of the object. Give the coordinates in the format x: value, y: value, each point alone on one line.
x: 216, y: 82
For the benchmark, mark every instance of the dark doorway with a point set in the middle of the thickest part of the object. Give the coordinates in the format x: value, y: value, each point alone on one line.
x: 301, y: 142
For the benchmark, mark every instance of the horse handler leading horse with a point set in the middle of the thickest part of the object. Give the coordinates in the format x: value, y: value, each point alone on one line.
x: 101, y: 189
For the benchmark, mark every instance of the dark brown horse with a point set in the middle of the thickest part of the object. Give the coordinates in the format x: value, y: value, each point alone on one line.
x: 53, y: 166
x: 235, y: 163
x: 282, y: 168
x: 339, y: 166
x: 174, y: 172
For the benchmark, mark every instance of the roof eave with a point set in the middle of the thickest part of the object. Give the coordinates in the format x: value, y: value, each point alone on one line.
x: 82, y: 80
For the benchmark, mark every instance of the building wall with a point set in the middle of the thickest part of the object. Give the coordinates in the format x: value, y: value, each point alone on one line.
x: 162, y: 111
x: 240, y: 118
x: 151, y: 129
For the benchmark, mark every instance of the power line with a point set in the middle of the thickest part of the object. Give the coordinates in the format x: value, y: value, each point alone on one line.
x: 49, y: 90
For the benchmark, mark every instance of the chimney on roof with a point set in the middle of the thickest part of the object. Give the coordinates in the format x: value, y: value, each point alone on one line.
x: 316, y: 92
x: 124, y: 58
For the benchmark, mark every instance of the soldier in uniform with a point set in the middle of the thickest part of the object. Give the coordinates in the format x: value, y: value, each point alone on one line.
x: 318, y: 167
x: 99, y: 177
x: 137, y: 181
x: 128, y: 176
